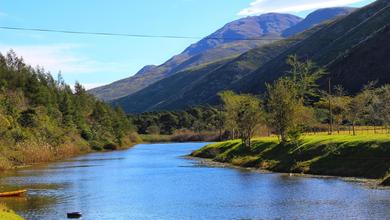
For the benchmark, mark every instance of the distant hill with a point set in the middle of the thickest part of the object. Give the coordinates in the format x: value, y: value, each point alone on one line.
x: 200, y: 85
x: 316, y: 18
x: 221, y: 44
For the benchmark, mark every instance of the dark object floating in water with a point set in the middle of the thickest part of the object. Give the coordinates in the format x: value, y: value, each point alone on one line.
x: 13, y: 193
x: 74, y: 215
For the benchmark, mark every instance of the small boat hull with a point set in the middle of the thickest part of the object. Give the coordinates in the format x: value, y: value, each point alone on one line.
x: 74, y: 215
x: 13, y: 193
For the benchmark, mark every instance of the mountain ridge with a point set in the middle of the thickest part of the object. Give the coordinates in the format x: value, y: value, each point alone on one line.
x: 222, y: 43
x: 249, y: 72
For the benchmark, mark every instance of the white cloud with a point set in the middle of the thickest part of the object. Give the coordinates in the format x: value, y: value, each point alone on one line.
x: 284, y: 6
x: 62, y: 57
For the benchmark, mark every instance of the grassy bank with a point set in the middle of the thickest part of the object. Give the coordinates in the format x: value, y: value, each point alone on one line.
x: 6, y: 213
x: 34, y: 151
x: 339, y: 155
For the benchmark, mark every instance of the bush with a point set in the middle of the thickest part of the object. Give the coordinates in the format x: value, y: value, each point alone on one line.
x: 96, y: 146
x: 135, y: 138
x: 28, y: 118
x: 18, y: 135
x: 295, y: 136
x: 4, y: 124
x: 86, y: 134
x: 110, y: 146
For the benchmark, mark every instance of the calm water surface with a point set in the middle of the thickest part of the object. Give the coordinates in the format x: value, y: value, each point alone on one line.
x: 156, y: 182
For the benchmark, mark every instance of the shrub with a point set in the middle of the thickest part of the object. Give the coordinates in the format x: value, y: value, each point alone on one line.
x: 18, y: 135
x: 28, y: 118
x: 86, y: 134
x: 135, y: 138
x: 96, y: 146
x: 110, y: 146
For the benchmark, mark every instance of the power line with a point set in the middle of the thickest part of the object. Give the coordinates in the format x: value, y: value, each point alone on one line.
x: 139, y: 35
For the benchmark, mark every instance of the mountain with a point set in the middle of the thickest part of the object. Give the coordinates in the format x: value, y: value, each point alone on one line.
x: 316, y: 18
x: 229, y: 41
x: 200, y: 85
x: 353, y: 49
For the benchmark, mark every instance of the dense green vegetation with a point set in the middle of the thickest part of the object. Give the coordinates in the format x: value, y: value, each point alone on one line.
x: 196, y: 119
x: 194, y: 124
x: 42, y: 119
x: 339, y: 155
x: 294, y: 105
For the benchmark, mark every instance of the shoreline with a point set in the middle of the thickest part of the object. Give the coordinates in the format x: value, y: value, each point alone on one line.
x: 365, y: 182
x: 29, y: 165
x: 352, y: 158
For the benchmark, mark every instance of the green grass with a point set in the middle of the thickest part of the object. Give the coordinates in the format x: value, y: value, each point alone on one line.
x: 7, y: 214
x: 365, y: 156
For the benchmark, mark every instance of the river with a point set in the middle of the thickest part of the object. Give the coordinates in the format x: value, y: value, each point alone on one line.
x: 155, y: 181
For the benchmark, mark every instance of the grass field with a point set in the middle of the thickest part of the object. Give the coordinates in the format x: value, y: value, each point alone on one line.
x: 359, y: 130
x: 365, y: 156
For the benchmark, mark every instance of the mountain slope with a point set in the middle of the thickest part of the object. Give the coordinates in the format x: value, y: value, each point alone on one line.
x: 224, y: 43
x: 200, y: 85
x: 188, y: 88
x: 334, y: 47
x: 316, y: 18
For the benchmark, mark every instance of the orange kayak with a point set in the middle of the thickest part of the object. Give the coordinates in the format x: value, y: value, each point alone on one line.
x: 13, y: 193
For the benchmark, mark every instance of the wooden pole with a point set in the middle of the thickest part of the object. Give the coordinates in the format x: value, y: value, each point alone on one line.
x: 330, y: 108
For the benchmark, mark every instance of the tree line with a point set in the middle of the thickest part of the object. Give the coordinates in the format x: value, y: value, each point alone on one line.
x: 196, y: 119
x: 294, y: 104
x: 38, y: 110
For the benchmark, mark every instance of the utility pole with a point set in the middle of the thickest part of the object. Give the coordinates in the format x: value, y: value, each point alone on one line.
x: 330, y: 107
x: 220, y: 122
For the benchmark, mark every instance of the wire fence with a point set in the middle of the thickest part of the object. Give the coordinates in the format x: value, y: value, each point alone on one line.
x: 348, y: 130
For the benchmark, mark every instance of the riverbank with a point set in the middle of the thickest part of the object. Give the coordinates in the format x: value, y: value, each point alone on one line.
x: 339, y: 155
x: 8, y: 214
x: 28, y: 153
x: 181, y: 137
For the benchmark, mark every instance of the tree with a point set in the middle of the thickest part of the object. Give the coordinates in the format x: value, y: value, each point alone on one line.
x: 337, y: 103
x: 67, y: 110
x: 249, y: 116
x: 231, y: 102
x: 380, y: 105
x: 169, y: 123
x: 304, y: 75
x: 284, y: 106
x: 287, y: 96
x: 243, y: 112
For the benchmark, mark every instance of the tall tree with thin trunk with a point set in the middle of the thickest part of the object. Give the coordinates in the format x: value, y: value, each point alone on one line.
x: 244, y: 113
x: 288, y: 95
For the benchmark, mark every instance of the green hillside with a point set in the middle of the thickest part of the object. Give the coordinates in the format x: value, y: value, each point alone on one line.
x: 223, y: 43
x: 339, y: 45
x: 42, y: 119
x: 200, y: 83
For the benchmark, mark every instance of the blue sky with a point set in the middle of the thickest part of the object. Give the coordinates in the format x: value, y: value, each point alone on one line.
x: 98, y: 60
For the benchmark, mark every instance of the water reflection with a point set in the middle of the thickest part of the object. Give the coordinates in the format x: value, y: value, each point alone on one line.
x: 156, y: 182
